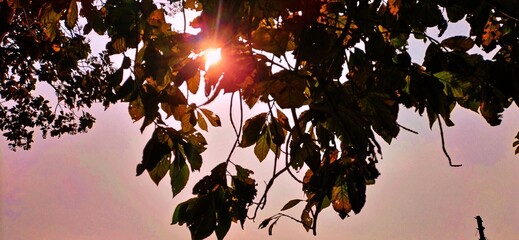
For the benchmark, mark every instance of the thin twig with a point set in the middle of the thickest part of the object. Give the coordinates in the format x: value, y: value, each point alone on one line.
x: 443, y: 144
x: 407, y: 129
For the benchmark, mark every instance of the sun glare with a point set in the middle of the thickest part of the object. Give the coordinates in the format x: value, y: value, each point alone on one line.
x: 212, y: 56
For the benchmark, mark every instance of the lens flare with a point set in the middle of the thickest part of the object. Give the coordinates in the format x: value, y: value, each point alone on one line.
x: 212, y: 57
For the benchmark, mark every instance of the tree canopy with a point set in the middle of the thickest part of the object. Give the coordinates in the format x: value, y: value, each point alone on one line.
x: 327, y: 108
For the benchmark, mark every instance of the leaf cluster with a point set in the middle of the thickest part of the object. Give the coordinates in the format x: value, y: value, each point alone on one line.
x: 327, y: 108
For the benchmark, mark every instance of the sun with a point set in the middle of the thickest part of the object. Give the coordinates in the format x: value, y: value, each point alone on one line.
x: 212, y: 56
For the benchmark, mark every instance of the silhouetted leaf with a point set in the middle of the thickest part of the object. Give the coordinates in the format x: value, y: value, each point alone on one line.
x: 458, y: 43
x: 271, y: 40
x: 252, y: 130
x: 290, y: 204
x: 154, y: 151
x: 179, y: 174
x: 264, y: 223
x: 288, y: 89
x: 161, y: 169
x: 193, y: 154
x: 180, y: 215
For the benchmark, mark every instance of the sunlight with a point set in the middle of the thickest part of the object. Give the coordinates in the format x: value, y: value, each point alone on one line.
x: 212, y: 56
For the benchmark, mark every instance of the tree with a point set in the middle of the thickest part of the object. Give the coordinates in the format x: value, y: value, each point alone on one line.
x: 350, y: 74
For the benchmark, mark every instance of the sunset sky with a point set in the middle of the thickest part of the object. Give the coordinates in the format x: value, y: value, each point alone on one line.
x: 84, y: 186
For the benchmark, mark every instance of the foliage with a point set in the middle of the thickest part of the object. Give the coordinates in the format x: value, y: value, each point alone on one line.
x: 351, y: 74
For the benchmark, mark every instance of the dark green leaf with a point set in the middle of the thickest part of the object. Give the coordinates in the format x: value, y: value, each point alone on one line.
x: 204, y: 219
x: 252, y: 130
x: 161, y: 169
x: 179, y: 174
x: 193, y: 155
x: 154, y: 151
x: 262, y: 146
x: 180, y: 214
x: 223, y: 224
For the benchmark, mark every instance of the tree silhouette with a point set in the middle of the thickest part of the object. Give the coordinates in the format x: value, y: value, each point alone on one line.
x: 350, y: 75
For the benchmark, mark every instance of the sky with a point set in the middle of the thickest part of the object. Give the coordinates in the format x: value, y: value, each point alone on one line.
x: 84, y: 186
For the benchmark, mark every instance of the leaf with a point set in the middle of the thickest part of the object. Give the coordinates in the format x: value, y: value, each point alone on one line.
x: 252, y: 130
x: 455, y: 13
x: 288, y: 89
x: 340, y: 200
x: 153, y: 153
x: 192, y: 153
x: 290, y: 204
x: 394, y: 6
x: 116, y: 78
x: 136, y: 109
x: 179, y: 174
x: 242, y: 173
x: 213, y: 118
x: 204, y: 220
x: 458, y: 43
x: 161, y: 169
x: 193, y: 4
x: 277, y: 132
x: 453, y: 84
x: 188, y: 71
x: 306, y: 219
x: 201, y: 121
x: 156, y: 18
x: 262, y: 146
x: 224, y: 210
x: 180, y: 214
x: 50, y: 19
x: 127, y: 91
x: 72, y: 15
x: 194, y: 83
x: 271, y: 40
x: 271, y: 228
x: 264, y: 223
x: 283, y: 120
x: 186, y: 121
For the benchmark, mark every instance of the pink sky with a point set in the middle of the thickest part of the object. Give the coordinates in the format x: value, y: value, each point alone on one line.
x: 84, y: 186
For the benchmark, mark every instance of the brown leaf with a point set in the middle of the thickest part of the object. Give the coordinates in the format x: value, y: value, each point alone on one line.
x: 394, y: 6
x: 201, y: 121
x: 459, y: 43
x: 136, y: 109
